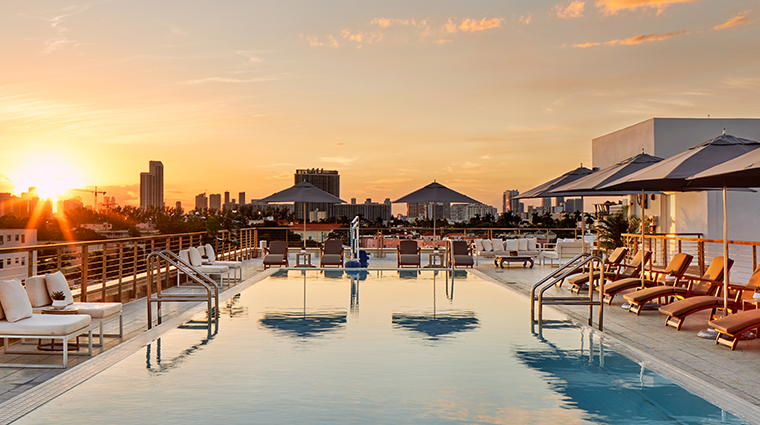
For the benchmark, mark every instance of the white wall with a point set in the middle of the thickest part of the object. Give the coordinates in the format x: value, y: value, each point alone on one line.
x: 16, y: 264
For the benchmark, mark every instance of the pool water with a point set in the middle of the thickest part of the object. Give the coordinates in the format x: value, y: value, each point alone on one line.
x: 389, y: 349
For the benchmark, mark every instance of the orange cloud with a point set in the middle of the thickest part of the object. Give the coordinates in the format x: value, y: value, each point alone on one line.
x: 611, y: 7
x: 472, y: 25
x: 635, y: 40
x: 526, y: 19
x: 572, y: 10
x: 739, y: 19
x: 389, y: 22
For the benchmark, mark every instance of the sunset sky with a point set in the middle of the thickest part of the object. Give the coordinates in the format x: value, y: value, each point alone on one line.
x: 482, y: 96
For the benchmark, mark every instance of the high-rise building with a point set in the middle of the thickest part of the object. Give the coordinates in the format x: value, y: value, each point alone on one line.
x: 546, y: 203
x: 227, y: 205
x: 178, y: 206
x: 368, y: 210
x: 152, y: 186
x: 215, y: 201
x: 241, y: 198
x: 327, y: 180
x: 201, y: 202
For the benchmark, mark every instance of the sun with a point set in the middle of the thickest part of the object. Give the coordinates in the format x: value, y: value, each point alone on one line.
x: 52, y: 175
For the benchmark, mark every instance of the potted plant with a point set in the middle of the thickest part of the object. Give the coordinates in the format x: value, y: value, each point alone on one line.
x: 59, y: 300
x: 756, y: 295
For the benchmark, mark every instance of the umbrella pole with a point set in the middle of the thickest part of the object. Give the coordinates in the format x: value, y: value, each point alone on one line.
x: 725, y: 249
x: 304, y: 226
x: 643, y: 218
x: 583, y: 229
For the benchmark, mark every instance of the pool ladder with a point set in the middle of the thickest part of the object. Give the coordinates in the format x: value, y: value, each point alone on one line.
x: 557, y: 276
x: 161, y: 263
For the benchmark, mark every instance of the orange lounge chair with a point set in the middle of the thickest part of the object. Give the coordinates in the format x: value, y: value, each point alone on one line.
x: 611, y: 264
x: 277, y: 254
x: 461, y: 254
x: 408, y: 254
x: 677, y: 266
x: 332, y: 253
x: 708, y: 284
x: 677, y: 311
x: 731, y: 328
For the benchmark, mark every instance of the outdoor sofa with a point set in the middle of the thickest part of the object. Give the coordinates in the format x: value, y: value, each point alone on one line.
x: 491, y: 248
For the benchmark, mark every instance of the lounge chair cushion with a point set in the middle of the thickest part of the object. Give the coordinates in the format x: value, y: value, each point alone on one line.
x: 14, y: 301
x: 512, y: 245
x: 98, y: 310
x: 195, y: 257
x: 45, y: 325
x: 36, y: 290
x: 209, y: 250
x: 626, y: 283
x: 274, y: 259
x: 655, y: 292
x: 522, y: 244
x: 463, y: 260
x: 57, y: 282
x: 736, y: 322
x: 409, y: 259
x: 686, y: 305
x: 331, y: 259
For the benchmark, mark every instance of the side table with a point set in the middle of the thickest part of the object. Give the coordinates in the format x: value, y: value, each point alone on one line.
x: 436, y: 259
x: 303, y: 259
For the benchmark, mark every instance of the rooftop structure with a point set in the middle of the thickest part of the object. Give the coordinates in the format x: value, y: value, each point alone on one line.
x: 152, y: 186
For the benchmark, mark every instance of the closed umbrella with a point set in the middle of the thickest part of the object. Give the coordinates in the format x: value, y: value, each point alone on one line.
x: 672, y: 174
x: 303, y: 192
x: 435, y: 192
x: 740, y: 172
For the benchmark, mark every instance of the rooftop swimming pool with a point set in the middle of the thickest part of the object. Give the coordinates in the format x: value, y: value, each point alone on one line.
x: 390, y: 348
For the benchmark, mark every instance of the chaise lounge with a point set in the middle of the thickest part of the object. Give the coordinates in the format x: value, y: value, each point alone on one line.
x: 332, y: 253
x: 461, y: 254
x: 731, y: 328
x: 234, y: 266
x: 708, y: 284
x: 676, y: 267
x: 679, y: 310
x: 612, y: 263
x: 408, y: 254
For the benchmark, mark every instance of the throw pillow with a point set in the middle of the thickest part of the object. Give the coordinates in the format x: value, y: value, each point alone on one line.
x: 57, y: 282
x: 14, y: 300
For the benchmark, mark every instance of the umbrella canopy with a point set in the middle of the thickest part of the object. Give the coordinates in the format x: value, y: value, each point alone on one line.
x: 743, y: 171
x: 589, y: 184
x: 671, y: 174
x: 435, y: 192
x: 302, y: 192
x: 542, y: 191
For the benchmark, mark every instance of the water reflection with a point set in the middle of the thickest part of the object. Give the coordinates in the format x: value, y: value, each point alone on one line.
x: 233, y: 309
x: 160, y: 366
x: 613, y: 389
x: 301, y: 325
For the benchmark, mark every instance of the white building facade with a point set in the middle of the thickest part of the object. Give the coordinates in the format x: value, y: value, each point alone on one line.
x: 17, y: 264
x: 686, y: 212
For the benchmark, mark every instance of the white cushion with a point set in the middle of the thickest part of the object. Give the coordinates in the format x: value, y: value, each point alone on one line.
x: 479, y: 245
x: 522, y: 244
x: 487, y: 246
x: 511, y: 245
x: 531, y: 244
x: 36, y: 290
x: 213, y: 268
x: 184, y: 256
x: 45, y: 325
x: 195, y: 257
x: 14, y: 301
x: 210, y: 252
x: 98, y: 310
x: 57, y: 282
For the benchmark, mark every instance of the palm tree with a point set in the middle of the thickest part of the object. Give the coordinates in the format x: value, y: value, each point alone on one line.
x: 611, y: 227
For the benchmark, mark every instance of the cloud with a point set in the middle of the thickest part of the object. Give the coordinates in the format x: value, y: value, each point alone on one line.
x: 389, y: 22
x: 612, y: 7
x: 526, y: 19
x: 572, y: 10
x: 56, y: 24
x: 639, y: 39
x: 739, y: 19
x: 472, y: 25
x: 225, y: 80
x: 342, y: 160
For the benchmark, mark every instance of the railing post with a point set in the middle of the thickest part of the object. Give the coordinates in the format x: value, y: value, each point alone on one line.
x: 84, y: 275
x: 754, y: 257
x: 255, y: 239
x: 701, y: 257
x: 104, y: 274
x: 134, y: 271
x: 121, y: 270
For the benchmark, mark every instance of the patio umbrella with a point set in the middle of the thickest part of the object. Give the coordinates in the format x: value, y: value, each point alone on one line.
x: 303, y: 192
x: 740, y: 172
x: 435, y: 192
x: 672, y: 174
x: 543, y: 191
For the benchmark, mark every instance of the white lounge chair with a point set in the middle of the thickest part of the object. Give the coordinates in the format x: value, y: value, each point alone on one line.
x: 193, y: 257
x: 39, y: 288
x: 235, y: 266
x: 17, y: 321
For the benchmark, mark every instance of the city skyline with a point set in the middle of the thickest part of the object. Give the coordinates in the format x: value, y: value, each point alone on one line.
x: 482, y: 96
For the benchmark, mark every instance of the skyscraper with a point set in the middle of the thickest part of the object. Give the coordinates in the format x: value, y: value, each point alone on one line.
x: 241, y: 198
x: 215, y: 201
x: 227, y: 205
x: 201, y: 202
x: 152, y: 186
x: 327, y: 180
x: 510, y: 204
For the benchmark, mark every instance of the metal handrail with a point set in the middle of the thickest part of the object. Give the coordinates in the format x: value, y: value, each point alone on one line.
x: 154, y: 260
x: 577, y: 263
x: 559, y: 271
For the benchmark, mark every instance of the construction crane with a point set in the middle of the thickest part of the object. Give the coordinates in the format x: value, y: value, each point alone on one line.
x: 95, y: 193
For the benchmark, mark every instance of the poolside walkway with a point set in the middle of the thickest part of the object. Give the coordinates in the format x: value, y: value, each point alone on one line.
x: 699, y: 360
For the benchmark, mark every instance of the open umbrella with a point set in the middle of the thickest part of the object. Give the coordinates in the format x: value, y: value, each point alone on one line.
x: 740, y: 172
x: 303, y: 192
x: 435, y: 192
x: 672, y: 174
x: 544, y: 191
